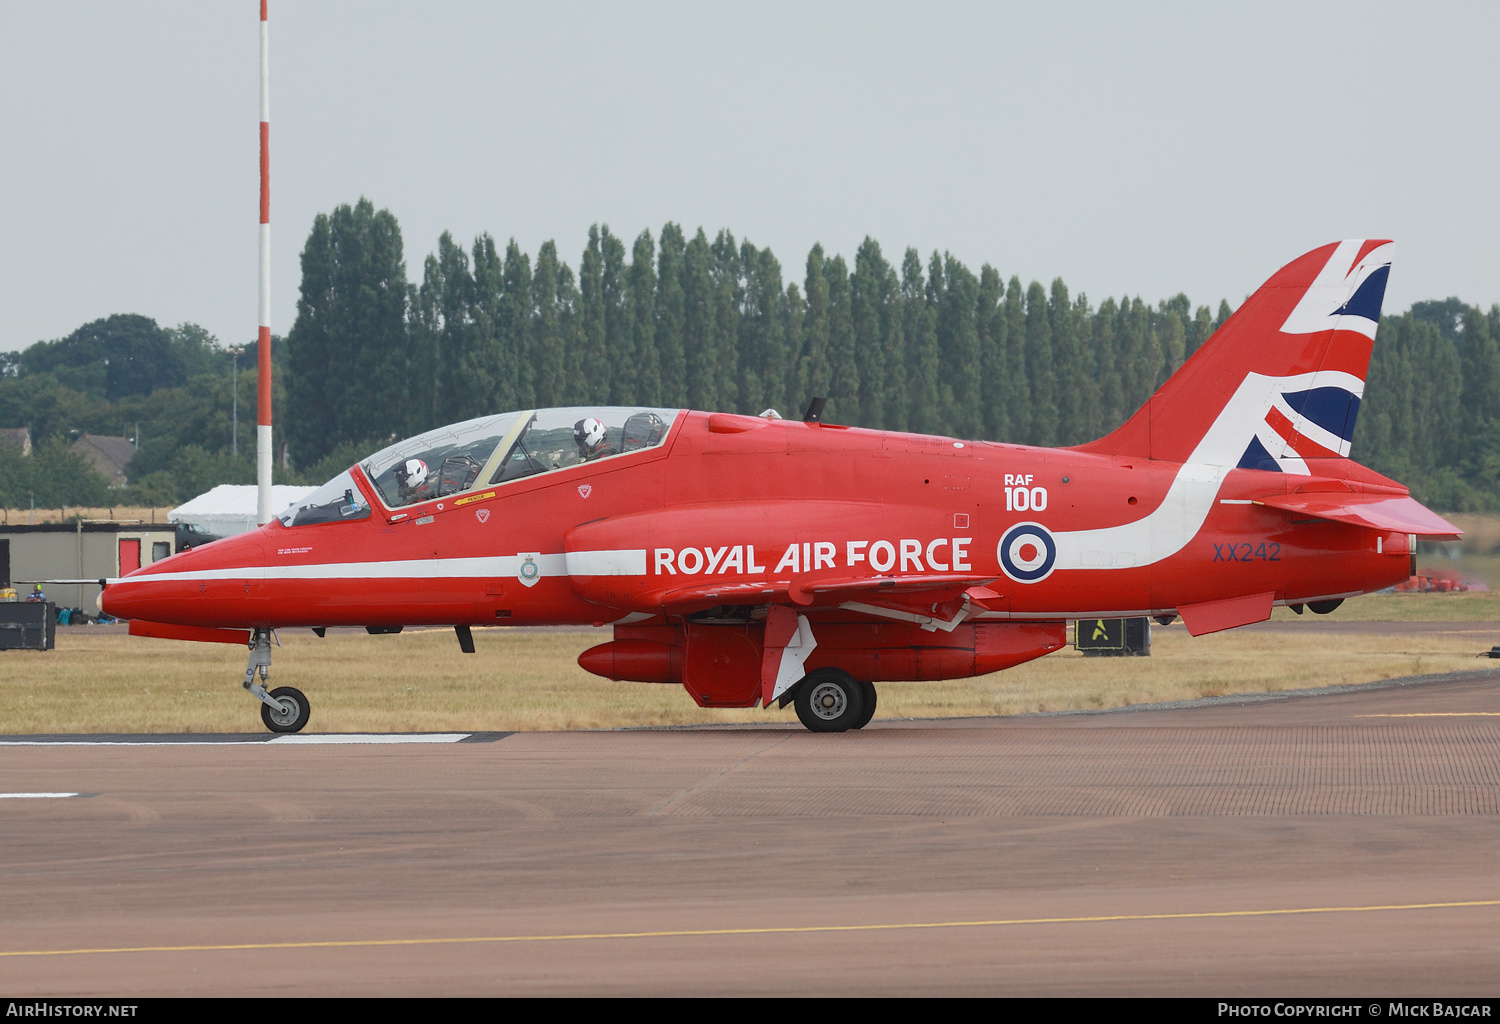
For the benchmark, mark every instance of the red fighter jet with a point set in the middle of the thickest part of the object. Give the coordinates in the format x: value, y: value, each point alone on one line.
x: 756, y: 560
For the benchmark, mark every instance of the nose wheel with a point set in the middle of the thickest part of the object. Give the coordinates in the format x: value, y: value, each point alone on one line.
x: 284, y: 709
x: 290, y: 712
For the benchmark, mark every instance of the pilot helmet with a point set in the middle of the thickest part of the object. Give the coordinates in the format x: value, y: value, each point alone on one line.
x: 590, y: 433
x: 411, y: 474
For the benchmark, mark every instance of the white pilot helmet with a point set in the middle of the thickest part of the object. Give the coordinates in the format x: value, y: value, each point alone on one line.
x: 415, y: 473
x: 590, y: 433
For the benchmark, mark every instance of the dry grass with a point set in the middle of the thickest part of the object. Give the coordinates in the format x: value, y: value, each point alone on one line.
x: 1481, y: 531
x: 1466, y: 607
x: 418, y: 680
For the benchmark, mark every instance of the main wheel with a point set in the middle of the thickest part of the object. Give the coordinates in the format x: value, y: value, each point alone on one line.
x: 830, y: 700
x: 871, y: 698
x: 293, y: 713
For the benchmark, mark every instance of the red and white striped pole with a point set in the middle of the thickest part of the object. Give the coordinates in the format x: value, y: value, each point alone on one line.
x: 263, y: 404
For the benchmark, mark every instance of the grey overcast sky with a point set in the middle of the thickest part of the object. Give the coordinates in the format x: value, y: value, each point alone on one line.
x: 1128, y: 148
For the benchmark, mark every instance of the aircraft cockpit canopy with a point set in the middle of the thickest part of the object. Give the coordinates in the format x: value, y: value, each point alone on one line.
x: 485, y: 452
x: 336, y: 501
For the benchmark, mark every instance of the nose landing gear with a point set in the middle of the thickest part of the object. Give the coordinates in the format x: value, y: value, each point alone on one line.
x: 284, y: 709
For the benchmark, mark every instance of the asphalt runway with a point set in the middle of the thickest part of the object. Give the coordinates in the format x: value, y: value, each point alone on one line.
x: 1337, y: 844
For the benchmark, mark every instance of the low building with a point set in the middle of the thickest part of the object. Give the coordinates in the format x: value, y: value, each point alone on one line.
x: 109, y: 455
x: 17, y: 437
x: 80, y: 550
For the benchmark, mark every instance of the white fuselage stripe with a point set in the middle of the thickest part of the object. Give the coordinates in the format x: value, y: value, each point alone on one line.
x: 575, y: 563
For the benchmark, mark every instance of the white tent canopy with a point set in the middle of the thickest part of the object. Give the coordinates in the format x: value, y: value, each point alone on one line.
x: 230, y: 508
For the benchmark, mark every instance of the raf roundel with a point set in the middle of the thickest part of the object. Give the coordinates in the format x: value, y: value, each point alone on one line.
x: 1027, y: 553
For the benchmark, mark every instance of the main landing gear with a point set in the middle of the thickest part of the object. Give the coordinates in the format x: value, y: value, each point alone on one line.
x: 284, y: 709
x: 831, y: 700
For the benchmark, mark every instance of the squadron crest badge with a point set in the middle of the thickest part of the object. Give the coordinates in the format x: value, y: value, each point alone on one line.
x: 530, y: 571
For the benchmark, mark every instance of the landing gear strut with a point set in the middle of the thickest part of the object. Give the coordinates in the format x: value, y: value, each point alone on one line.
x: 284, y: 709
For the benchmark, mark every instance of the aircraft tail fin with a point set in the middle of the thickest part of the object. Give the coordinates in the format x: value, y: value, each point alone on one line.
x: 1280, y: 382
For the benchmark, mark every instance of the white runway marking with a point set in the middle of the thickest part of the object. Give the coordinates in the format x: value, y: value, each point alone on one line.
x: 313, y: 739
x: 374, y: 737
x: 34, y: 796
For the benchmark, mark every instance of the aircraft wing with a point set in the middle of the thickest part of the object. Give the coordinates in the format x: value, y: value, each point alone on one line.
x: 1397, y: 513
x: 903, y: 592
x: 699, y: 597
x: 92, y: 581
x: 867, y: 586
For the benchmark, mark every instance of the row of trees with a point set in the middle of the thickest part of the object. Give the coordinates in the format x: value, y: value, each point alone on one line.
x: 709, y: 323
x: 1431, y: 411
x: 178, y: 398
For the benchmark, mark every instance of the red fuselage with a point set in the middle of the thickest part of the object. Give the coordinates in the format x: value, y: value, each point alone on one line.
x: 730, y: 505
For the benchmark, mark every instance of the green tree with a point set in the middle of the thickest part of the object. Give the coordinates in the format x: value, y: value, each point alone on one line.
x: 874, y: 298
x: 41, y: 402
x: 670, y: 315
x: 484, y: 369
x: 1201, y: 329
x: 1447, y: 315
x: 1039, y: 367
x: 763, y: 358
x: 516, y: 355
x: 619, y: 366
x: 349, y: 369
x: 812, y: 365
x: 728, y: 296
x: 1073, y: 376
x: 794, y: 317
x: 923, y: 392
x: 1016, y: 391
x: 700, y: 341
x: 843, y: 371
x: 1171, y: 333
x: 1110, y: 386
x: 462, y: 371
x: 548, y: 342
x: 124, y: 354
x: 55, y: 474
x: 958, y: 348
x: 592, y: 368
x: 1481, y: 374
x: 641, y: 299
x: 198, y: 350
x: 992, y: 368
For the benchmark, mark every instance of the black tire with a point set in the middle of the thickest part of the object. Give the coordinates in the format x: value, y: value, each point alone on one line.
x: 871, y: 699
x: 830, y: 700
x: 289, y: 721
x: 1324, y: 607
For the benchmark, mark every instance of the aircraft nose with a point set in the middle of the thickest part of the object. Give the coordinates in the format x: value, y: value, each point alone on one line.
x: 217, y: 584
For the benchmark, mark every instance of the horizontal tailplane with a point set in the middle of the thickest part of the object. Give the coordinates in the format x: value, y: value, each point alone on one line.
x: 1394, y: 513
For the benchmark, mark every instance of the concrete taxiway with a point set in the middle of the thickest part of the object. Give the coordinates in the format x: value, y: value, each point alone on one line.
x: 1339, y: 844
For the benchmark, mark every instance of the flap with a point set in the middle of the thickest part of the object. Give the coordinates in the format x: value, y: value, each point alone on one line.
x: 1212, y: 616
x: 899, y: 591
x: 1399, y: 514
x: 686, y: 600
x: 867, y: 586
